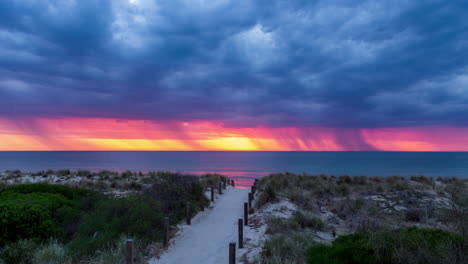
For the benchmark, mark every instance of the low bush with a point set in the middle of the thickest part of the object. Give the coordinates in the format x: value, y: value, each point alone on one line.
x: 20, y: 221
x: 351, y: 249
x: 39, y: 211
x: 408, y: 245
x: 135, y: 216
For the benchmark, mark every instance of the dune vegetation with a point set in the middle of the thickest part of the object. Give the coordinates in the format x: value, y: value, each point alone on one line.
x: 84, y: 217
x: 346, y: 220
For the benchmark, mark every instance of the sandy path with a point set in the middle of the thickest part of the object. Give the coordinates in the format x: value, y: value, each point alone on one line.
x: 207, y: 239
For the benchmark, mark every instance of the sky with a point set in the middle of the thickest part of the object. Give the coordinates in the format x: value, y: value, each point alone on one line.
x: 326, y: 75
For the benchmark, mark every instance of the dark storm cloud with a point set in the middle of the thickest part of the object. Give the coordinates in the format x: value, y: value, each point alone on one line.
x: 246, y: 63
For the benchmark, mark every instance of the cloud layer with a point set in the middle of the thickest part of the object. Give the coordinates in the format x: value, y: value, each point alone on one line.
x: 282, y: 63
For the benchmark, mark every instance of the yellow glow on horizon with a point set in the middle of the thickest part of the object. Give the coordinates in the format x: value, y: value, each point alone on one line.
x: 230, y: 143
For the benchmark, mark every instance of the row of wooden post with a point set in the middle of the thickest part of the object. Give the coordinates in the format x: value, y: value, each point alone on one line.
x: 130, y: 245
x: 241, y: 223
x: 232, y: 246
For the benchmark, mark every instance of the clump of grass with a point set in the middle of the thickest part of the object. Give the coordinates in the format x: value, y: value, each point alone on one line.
x: 347, y: 207
x: 268, y: 195
x: 299, y: 220
x: 21, y: 252
x: 307, y: 219
x: 116, y: 252
x: 291, y: 248
x: 51, y: 253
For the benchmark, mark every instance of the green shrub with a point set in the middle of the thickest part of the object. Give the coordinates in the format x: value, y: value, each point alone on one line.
x: 407, y: 245
x: 417, y: 245
x: 350, y: 249
x: 25, y: 221
x: 136, y: 216
x: 39, y: 211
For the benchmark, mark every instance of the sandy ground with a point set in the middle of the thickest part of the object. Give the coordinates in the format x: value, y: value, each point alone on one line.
x: 207, y: 239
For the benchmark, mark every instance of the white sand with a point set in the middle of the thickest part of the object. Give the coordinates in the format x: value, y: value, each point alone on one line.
x: 207, y: 239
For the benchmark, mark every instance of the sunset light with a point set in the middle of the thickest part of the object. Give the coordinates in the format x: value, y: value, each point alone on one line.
x: 118, y: 134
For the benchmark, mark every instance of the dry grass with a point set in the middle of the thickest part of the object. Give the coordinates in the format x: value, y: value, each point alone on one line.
x: 346, y: 204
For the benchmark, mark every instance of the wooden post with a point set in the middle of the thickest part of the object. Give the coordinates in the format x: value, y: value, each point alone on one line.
x: 202, y: 205
x: 166, y: 232
x: 252, y: 190
x: 189, y: 214
x: 219, y: 188
x: 129, y: 251
x: 250, y: 200
x: 224, y: 184
x: 241, y: 233
x: 233, y: 183
x: 232, y: 253
x: 212, y: 193
x: 246, y: 214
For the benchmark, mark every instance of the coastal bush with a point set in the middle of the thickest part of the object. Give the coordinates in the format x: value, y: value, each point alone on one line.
x: 407, y: 245
x: 68, y: 192
x: 350, y: 249
x: 22, y: 219
x: 39, y: 211
x: 457, y: 212
x: 137, y: 216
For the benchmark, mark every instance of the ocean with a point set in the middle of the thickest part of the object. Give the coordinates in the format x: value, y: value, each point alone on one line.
x: 244, y: 166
